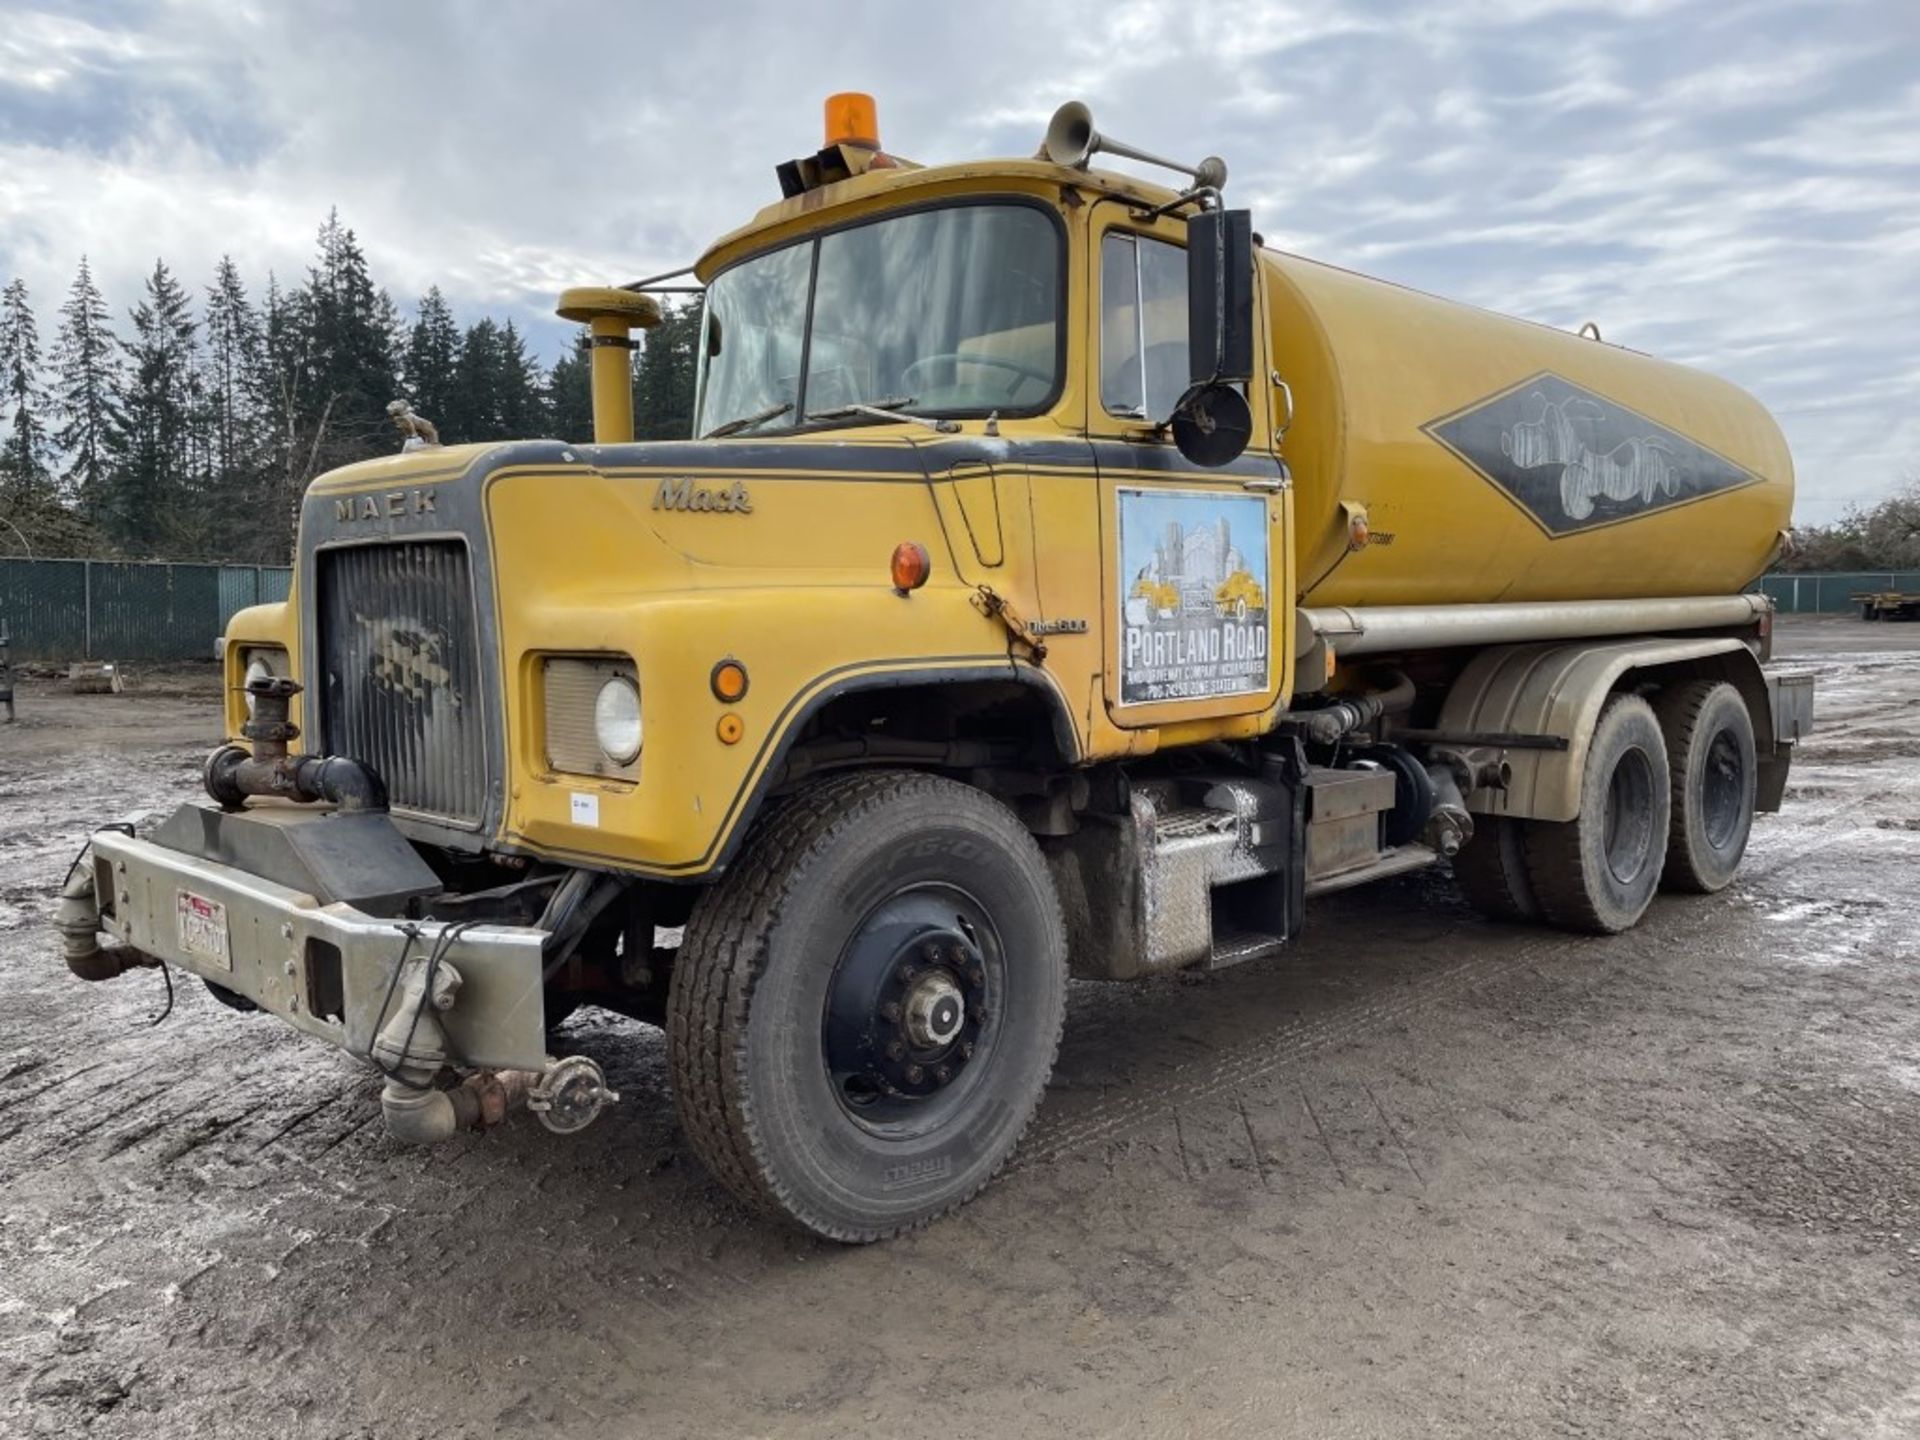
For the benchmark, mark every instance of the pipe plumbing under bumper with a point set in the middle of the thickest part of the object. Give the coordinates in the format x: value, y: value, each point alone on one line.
x: 411, y: 1049
x: 418, y: 999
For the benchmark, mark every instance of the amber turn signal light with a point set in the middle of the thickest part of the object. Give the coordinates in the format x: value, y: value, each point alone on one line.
x: 911, y: 566
x: 729, y: 681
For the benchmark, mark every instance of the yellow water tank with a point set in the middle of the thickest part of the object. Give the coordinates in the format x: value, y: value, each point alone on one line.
x: 1490, y: 459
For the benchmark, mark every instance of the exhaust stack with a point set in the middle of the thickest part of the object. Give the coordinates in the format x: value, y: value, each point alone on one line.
x: 610, y: 316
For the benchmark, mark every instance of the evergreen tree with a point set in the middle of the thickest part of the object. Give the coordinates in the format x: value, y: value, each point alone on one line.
x: 350, y: 325
x: 26, y: 470
x: 86, y: 366
x: 233, y: 354
x: 190, y: 440
x: 570, y: 393
x: 478, y: 411
x: 523, y: 411
x: 433, y: 349
x: 663, y: 381
x: 294, y: 428
x: 150, y: 484
x: 236, y: 455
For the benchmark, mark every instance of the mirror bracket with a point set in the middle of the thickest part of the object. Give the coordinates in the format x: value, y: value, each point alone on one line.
x: 1205, y: 196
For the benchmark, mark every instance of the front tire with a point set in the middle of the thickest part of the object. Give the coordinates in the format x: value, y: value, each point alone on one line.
x: 1598, y: 871
x: 1710, y: 753
x: 865, y: 1011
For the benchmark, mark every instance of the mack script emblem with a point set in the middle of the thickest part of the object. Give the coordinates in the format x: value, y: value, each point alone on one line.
x: 1574, y: 460
x: 682, y: 494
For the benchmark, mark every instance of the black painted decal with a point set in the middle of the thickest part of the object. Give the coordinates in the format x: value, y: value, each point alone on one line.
x: 1574, y: 460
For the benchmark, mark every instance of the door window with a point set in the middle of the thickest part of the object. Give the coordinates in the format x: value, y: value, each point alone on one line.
x: 1143, y: 326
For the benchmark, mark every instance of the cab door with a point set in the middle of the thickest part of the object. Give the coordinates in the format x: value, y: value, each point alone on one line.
x: 1195, y: 565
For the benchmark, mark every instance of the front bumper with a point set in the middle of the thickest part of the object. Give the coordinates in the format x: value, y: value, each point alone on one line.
x: 324, y: 969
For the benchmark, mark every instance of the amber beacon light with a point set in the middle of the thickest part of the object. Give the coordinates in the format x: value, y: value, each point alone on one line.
x: 853, y: 119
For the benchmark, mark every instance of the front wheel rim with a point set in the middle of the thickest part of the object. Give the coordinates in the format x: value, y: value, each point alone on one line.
x: 911, y: 1016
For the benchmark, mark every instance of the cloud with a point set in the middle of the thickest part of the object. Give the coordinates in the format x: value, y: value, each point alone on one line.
x: 1732, y: 183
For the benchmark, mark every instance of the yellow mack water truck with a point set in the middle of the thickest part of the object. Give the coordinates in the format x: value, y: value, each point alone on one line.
x: 1057, y: 581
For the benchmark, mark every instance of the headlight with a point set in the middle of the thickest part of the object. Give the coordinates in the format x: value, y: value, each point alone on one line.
x: 616, y: 720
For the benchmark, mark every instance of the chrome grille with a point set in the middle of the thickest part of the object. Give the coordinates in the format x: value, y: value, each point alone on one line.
x: 400, y: 659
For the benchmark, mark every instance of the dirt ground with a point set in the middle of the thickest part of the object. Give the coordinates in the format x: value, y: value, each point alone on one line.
x: 1421, y: 1175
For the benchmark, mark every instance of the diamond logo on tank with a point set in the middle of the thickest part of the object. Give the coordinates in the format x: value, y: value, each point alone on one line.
x: 1575, y: 460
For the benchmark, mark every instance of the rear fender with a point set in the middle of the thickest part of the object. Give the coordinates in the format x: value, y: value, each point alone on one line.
x: 1556, y: 691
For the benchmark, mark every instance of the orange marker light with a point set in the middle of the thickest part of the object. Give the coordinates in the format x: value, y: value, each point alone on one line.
x: 911, y: 566
x: 730, y: 728
x: 1359, y: 532
x: 729, y: 681
x: 853, y: 119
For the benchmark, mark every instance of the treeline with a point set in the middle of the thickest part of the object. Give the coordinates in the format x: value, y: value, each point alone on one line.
x: 1885, y: 536
x: 189, y: 430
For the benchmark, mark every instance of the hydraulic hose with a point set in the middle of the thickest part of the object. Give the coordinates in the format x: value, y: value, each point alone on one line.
x: 1345, y: 715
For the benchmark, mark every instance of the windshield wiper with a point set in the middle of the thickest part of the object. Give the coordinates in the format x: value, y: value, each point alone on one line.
x: 886, y: 409
x: 747, y: 422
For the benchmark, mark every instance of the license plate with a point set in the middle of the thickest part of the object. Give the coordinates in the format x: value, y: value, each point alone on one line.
x: 203, y: 928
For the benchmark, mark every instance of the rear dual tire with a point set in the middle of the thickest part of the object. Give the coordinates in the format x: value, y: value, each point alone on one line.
x: 1598, y: 871
x: 1667, y: 800
x: 1491, y: 870
x: 1715, y: 770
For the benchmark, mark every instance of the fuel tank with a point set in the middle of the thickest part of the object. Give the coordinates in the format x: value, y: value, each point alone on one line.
x: 1495, y: 459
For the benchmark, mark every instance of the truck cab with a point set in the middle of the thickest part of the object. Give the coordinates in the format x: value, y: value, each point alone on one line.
x: 967, y: 643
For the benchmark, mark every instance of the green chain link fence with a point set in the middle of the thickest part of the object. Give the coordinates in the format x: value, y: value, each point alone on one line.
x: 142, y: 611
x: 139, y: 611
x: 1832, y: 594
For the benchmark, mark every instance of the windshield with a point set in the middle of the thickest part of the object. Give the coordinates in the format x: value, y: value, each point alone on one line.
x: 947, y: 311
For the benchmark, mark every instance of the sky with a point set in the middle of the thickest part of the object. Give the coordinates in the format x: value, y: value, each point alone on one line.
x: 1733, y: 184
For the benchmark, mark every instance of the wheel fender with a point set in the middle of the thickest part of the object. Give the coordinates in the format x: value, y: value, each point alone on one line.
x: 1557, y: 690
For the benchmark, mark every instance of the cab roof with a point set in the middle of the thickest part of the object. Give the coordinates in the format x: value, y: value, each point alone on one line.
x: 798, y: 214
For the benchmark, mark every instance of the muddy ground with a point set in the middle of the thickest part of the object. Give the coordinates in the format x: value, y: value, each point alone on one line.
x: 1422, y: 1175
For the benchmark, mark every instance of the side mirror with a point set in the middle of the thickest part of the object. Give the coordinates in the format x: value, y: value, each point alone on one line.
x: 1220, y: 296
x: 1213, y: 422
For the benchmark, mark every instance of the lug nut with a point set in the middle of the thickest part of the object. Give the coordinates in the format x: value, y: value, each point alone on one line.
x: 977, y: 1014
x: 896, y: 1051
x: 907, y: 973
x: 915, y: 1074
x: 966, y: 1049
x: 890, y: 1011
x: 943, y: 1074
x: 976, y: 976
